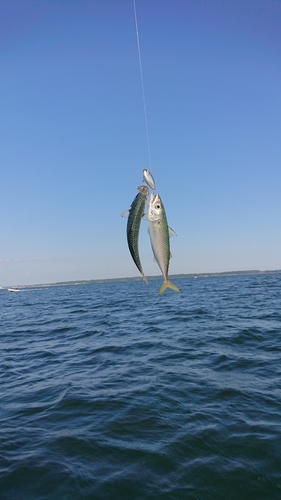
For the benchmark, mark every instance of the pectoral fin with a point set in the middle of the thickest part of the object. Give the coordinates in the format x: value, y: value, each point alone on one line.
x: 172, y: 232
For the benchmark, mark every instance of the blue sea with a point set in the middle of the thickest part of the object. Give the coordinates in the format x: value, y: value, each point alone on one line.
x: 110, y: 392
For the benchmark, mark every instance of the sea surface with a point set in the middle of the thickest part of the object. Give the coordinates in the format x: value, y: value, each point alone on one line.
x: 109, y: 391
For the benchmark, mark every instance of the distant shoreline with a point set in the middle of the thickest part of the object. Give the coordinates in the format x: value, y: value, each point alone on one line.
x: 139, y: 278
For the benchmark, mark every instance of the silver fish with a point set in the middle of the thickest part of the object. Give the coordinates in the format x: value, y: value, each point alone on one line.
x: 148, y: 178
x: 159, y: 237
x: 133, y: 226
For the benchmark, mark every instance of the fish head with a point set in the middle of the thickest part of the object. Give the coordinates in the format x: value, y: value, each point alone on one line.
x: 155, y: 207
x: 143, y: 190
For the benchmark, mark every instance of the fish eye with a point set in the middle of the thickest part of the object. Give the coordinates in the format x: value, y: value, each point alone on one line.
x: 158, y: 206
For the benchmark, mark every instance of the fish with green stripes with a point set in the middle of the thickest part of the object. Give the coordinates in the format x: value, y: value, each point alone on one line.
x: 136, y: 213
x: 160, y: 238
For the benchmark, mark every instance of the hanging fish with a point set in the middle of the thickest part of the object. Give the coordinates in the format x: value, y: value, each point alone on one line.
x: 133, y: 225
x: 148, y: 178
x: 160, y: 238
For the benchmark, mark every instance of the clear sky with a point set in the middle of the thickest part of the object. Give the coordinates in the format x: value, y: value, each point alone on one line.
x: 73, y: 137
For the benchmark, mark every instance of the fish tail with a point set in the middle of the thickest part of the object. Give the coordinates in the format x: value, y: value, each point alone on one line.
x: 168, y: 284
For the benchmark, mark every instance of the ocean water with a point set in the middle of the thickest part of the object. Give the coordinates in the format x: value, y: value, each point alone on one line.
x: 108, y: 391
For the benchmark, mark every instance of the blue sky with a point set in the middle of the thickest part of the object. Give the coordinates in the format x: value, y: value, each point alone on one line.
x: 73, y: 138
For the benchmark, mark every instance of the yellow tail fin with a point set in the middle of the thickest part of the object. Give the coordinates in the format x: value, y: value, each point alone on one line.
x: 168, y: 284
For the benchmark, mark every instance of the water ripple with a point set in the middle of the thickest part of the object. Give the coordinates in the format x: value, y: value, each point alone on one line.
x: 109, y: 391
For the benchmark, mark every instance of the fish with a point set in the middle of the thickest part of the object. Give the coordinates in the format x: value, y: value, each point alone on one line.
x: 136, y: 213
x: 159, y: 233
x: 148, y: 178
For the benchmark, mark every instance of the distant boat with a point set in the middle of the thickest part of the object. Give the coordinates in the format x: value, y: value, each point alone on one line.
x: 13, y: 290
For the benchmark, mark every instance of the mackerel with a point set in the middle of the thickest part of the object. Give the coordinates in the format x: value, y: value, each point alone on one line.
x: 160, y: 239
x: 136, y: 213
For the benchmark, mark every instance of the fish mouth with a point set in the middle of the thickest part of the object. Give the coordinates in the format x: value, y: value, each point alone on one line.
x: 143, y: 190
x: 156, y: 199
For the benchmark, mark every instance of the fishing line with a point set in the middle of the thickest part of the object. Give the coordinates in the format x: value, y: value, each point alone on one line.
x: 142, y: 86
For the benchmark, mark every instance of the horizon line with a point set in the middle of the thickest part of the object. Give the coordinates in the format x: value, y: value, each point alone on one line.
x: 139, y: 278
